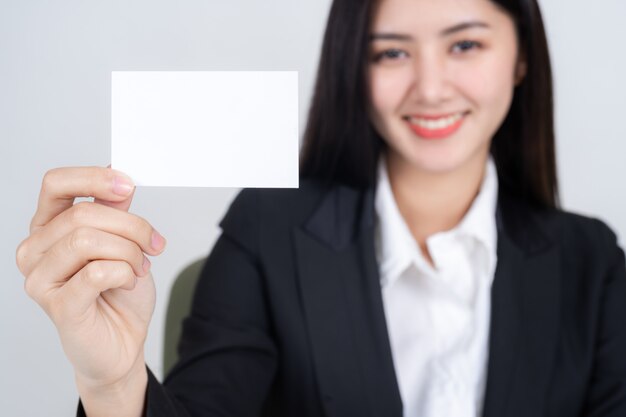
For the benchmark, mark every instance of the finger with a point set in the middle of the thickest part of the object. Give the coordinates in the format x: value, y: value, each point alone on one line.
x: 97, y: 216
x: 61, y: 185
x: 74, y: 251
x: 82, y: 290
x: 118, y: 205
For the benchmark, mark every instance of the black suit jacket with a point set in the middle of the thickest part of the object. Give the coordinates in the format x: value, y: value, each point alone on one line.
x: 287, y: 318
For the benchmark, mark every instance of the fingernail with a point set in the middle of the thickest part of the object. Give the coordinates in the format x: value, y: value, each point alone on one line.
x: 146, y: 264
x: 122, y: 186
x: 158, y: 242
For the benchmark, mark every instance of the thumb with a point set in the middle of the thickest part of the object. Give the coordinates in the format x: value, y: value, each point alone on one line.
x: 120, y: 205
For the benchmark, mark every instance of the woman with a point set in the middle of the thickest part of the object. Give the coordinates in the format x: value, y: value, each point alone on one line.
x: 423, y: 268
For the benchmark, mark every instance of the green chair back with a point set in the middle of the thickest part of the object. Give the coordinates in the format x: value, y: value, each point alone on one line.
x: 178, y: 307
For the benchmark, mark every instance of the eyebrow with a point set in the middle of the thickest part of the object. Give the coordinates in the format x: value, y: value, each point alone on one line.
x: 446, y: 32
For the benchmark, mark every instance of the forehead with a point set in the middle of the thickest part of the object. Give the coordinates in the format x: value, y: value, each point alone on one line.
x: 427, y: 16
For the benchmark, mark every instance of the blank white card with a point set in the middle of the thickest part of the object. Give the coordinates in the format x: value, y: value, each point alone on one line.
x: 206, y: 129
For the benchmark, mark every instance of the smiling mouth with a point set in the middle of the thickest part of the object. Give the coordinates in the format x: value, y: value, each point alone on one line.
x: 435, y: 127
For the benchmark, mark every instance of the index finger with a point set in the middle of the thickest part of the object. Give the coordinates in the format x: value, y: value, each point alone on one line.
x: 60, y: 186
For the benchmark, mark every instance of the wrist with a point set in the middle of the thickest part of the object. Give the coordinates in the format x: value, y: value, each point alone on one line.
x: 134, y: 379
x: 125, y: 396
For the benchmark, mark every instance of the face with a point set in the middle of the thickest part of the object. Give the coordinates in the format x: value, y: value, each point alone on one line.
x: 442, y: 75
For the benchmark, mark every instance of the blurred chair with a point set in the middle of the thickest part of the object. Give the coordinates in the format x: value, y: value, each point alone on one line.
x: 178, y: 307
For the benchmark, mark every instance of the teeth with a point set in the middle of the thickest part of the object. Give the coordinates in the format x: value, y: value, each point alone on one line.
x: 437, y: 124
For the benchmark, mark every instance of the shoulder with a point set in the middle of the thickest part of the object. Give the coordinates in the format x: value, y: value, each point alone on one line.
x: 254, y: 209
x: 569, y: 227
x: 276, y: 203
x: 584, y: 241
x: 580, y: 239
x: 535, y: 226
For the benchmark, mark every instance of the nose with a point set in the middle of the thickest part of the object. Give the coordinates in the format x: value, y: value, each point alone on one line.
x: 430, y: 85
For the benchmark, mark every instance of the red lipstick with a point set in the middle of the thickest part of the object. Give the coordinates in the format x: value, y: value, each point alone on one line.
x: 435, y: 126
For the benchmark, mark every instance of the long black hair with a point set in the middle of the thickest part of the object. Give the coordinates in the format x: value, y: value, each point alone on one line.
x: 341, y: 144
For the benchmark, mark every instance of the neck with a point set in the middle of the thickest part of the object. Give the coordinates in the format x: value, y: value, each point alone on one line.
x: 433, y: 202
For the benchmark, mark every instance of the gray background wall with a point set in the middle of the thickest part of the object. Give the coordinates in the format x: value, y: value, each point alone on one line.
x: 55, y: 63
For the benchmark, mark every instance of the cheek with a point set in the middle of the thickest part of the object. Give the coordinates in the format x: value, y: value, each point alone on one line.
x: 388, y: 89
x: 489, y: 85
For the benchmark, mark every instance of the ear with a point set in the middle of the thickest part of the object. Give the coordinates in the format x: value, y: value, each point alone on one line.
x: 520, y: 70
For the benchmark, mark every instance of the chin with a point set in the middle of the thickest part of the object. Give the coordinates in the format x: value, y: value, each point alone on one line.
x: 435, y: 166
x: 439, y: 159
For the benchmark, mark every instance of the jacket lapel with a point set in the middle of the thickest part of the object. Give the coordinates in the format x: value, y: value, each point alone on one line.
x: 524, y: 313
x: 342, y: 303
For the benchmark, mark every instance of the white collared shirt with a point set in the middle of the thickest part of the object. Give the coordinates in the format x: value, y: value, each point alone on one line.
x: 438, y: 318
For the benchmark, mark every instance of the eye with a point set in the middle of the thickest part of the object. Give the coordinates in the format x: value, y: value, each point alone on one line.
x: 464, y: 46
x: 390, y: 54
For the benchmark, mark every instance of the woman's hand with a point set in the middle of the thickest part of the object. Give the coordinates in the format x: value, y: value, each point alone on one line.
x: 84, y: 264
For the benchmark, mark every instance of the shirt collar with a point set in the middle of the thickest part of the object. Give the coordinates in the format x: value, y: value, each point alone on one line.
x: 395, y: 246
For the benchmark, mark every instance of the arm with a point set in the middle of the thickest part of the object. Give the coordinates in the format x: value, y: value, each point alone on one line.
x: 606, y: 394
x: 227, y: 357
